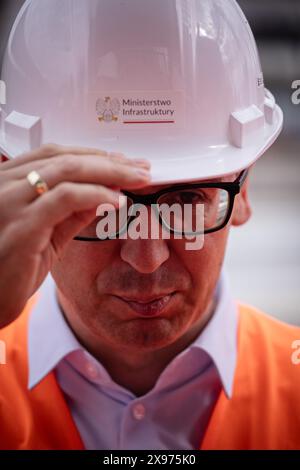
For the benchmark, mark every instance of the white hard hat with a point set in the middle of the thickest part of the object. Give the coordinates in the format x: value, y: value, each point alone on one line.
x: 178, y: 82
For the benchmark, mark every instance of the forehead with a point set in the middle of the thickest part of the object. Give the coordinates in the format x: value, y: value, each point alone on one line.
x: 155, y: 188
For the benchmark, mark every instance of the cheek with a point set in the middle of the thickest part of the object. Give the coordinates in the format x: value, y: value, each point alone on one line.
x: 204, y: 265
x: 81, y: 263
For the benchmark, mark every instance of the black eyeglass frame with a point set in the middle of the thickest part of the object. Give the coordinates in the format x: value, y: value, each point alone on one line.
x: 233, y: 188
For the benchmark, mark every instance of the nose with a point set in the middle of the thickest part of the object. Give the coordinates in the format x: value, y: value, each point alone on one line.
x: 145, y: 255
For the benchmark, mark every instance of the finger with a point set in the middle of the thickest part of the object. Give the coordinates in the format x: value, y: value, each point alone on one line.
x: 48, y: 151
x: 71, y: 227
x: 141, y: 162
x: 42, y: 154
x: 20, y: 171
x: 88, y: 170
x: 40, y: 218
x: 15, y: 194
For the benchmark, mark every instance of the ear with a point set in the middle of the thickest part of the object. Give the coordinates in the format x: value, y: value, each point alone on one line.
x: 242, y: 210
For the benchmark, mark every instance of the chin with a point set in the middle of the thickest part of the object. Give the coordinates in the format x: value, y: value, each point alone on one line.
x: 144, y: 334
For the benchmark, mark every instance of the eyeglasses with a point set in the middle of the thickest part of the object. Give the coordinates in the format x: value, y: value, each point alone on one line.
x: 216, y: 200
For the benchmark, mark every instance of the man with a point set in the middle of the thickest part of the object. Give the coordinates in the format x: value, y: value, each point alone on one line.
x: 134, y: 342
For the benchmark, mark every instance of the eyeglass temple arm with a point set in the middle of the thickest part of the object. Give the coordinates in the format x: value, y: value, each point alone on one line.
x: 242, y: 178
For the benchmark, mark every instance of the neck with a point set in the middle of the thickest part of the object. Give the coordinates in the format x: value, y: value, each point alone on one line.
x: 137, y: 373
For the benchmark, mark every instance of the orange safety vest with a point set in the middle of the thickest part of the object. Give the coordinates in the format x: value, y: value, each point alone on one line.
x: 263, y: 413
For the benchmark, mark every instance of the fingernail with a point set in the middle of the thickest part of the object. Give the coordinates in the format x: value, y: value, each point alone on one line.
x: 140, y: 161
x: 118, y: 155
x: 143, y: 173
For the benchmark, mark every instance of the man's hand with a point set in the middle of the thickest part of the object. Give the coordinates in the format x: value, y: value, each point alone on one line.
x: 35, y: 229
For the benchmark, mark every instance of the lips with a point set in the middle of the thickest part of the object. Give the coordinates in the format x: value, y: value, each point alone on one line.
x: 151, y: 307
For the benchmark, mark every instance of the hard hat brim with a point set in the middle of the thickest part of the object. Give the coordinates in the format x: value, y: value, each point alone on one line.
x: 218, y: 161
x: 210, y: 163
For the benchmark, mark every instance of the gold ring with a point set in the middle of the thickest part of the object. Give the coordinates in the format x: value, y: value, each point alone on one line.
x: 36, y: 181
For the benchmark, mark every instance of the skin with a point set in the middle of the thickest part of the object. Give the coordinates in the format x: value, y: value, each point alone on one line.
x: 34, y: 231
x: 135, y: 350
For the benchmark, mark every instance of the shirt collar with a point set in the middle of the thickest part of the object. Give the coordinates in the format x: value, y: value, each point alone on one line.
x: 219, y: 337
x: 50, y: 339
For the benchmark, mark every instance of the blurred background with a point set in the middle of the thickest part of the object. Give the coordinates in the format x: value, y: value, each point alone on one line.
x: 263, y: 258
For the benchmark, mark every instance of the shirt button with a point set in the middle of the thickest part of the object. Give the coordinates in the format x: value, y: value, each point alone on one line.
x: 139, y: 411
x: 92, y: 371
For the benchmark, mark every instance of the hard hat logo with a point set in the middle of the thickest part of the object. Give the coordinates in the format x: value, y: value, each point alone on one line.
x: 160, y: 107
x: 108, y: 109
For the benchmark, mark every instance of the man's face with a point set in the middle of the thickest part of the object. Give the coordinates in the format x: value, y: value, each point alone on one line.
x: 95, y: 280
